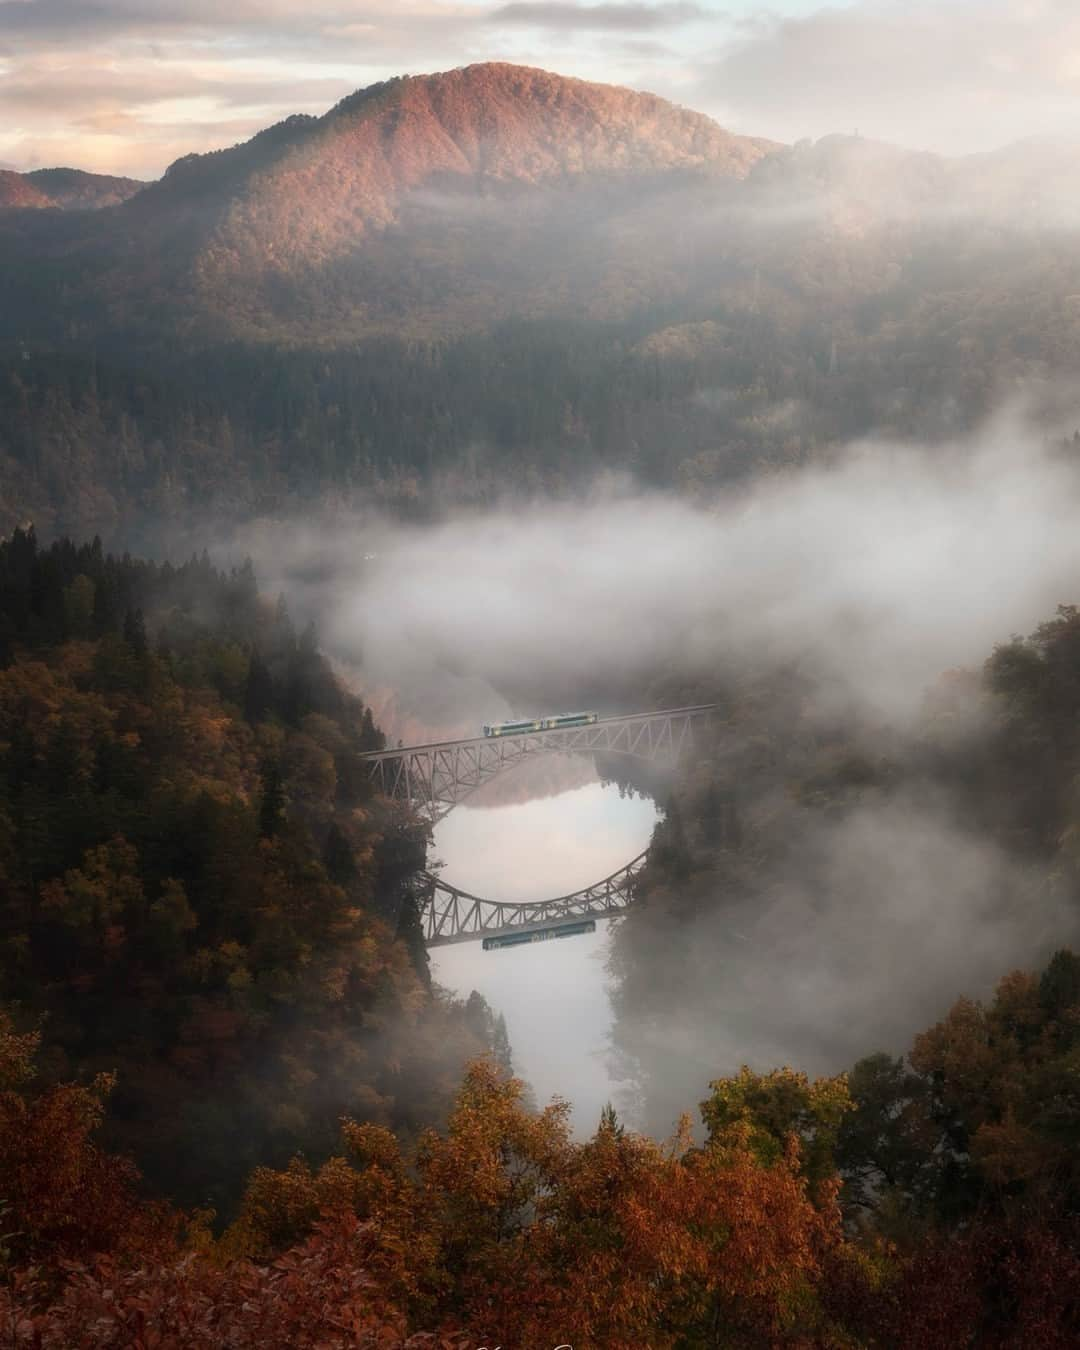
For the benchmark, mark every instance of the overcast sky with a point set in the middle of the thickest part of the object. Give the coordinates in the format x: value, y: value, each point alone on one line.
x: 126, y: 86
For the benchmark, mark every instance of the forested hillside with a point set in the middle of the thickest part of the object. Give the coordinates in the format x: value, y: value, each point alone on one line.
x: 63, y: 189
x: 211, y: 975
x: 234, y: 1108
x: 134, y: 449
x: 496, y: 279
x: 198, y: 893
x: 933, y: 1205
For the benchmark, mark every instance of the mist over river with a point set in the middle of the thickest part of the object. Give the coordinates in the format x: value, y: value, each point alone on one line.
x: 552, y: 994
x: 875, y: 919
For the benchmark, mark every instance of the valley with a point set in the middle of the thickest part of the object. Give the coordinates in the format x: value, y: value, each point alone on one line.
x: 338, y: 466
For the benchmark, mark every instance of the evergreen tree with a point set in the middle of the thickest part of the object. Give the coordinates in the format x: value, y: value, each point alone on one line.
x: 338, y: 857
x: 500, y: 1045
x: 135, y: 631
x: 272, y: 802
x: 106, y: 605
x: 371, y: 738
x: 259, y: 689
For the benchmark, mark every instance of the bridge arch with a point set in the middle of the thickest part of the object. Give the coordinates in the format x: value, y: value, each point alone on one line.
x: 439, y: 776
x: 453, y: 915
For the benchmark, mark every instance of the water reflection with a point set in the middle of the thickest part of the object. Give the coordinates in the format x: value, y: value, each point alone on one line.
x: 552, y: 994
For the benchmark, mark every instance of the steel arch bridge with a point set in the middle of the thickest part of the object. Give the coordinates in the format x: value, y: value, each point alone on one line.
x: 451, y: 915
x: 438, y: 776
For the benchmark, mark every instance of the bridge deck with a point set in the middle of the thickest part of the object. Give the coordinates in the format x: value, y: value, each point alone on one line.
x: 376, y: 755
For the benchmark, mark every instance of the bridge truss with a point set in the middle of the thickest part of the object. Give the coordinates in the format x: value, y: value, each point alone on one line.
x: 451, y: 915
x: 437, y: 777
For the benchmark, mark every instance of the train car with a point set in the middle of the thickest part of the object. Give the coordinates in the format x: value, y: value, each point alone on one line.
x: 580, y: 719
x: 523, y: 726
x: 518, y: 728
x: 529, y: 935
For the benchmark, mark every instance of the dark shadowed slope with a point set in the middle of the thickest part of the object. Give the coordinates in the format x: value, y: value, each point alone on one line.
x: 68, y: 189
x: 76, y: 190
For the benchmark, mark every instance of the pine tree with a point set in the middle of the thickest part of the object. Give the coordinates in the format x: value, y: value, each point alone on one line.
x: 259, y: 689
x: 371, y: 738
x: 272, y: 806
x: 500, y: 1046
x: 135, y: 631
x: 338, y: 857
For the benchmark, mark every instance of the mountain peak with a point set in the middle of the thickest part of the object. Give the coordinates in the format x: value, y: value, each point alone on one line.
x: 492, y: 121
x: 523, y: 123
x: 422, y: 156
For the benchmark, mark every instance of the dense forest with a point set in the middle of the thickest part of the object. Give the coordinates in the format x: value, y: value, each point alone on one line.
x: 234, y: 1107
x: 198, y: 892
x: 135, y: 446
x: 923, y: 1203
x: 234, y: 1111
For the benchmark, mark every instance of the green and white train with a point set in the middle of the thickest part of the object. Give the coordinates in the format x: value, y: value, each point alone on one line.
x: 521, y: 728
x: 529, y: 935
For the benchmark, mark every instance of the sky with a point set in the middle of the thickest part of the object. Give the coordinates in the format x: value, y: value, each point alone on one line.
x: 127, y: 86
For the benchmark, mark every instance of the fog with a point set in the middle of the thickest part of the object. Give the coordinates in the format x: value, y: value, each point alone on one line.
x: 881, y: 570
x: 553, y: 993
x: 890, y: 916
x: 873, y: 574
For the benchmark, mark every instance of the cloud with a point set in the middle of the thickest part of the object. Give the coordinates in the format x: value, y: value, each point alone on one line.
x: 957, y: 77
x: 87, y: 88
x: 64, y: 64
x: 57, y: 22
x: 887, y: 917
x: 875, y: 569
x: 874, y: 573
x: 599, y: 18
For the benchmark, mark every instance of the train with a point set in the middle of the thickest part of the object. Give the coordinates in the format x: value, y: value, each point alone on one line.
x: 530, y: 935
x: 523, y: 726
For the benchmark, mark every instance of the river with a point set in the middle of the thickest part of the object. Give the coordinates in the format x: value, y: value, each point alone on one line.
x: 552, y: 994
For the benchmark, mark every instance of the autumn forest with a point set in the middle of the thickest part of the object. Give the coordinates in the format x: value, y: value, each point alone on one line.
x: 494, y: 391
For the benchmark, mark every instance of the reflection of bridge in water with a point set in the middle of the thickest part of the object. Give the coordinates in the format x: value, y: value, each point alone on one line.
x: 437, y: 777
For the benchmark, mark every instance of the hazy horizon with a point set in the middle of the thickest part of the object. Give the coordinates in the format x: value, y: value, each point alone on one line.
x: 127, y: 87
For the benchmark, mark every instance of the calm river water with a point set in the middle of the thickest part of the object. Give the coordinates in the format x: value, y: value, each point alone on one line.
x: 553, y: 994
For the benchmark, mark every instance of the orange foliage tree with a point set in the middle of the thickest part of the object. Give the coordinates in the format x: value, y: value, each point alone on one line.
x: 63, y: 1196
x: 506, y: 1225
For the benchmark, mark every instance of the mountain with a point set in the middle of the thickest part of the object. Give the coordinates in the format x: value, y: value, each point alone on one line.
x: 68, y: 189
x: 498, y: 280
x: 75, y: 190
x: 18, y: 191
x: 419, y: 201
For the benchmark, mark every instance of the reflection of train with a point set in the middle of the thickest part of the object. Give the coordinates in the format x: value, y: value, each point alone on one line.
x: 527, y: 935
x: 539, y: 724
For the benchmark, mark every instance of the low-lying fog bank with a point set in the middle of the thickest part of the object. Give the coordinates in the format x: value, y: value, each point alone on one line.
x: 874, y: 573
